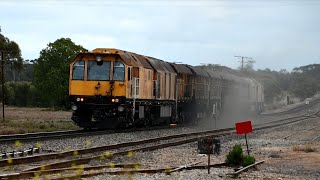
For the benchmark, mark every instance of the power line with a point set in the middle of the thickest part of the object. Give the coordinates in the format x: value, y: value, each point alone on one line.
x: 242, y: 60
x: 180, y: 3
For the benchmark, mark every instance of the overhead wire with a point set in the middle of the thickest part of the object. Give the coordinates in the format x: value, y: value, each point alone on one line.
x: 180, y: 3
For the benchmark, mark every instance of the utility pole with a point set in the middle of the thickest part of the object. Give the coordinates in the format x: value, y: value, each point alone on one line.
x: 242, y: 60
x: 2, y: 83
x: 2, y: 79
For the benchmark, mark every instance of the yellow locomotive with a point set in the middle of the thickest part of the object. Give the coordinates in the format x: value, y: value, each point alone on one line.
x: 112, y: 88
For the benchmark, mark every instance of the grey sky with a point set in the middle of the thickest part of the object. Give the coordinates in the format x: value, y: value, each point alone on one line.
x: 280, y: 34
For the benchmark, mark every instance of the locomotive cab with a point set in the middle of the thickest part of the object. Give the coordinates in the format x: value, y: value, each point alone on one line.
x: 97, y: 89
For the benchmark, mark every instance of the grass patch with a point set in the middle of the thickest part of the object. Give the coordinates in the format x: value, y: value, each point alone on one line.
x: 304, y: 148
x: 29, y: 126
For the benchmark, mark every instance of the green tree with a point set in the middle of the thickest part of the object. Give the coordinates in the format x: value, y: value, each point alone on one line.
x: 306, y: 80
x: 12, y: 54
x: 304, y: 86
x: 51, y: 71
x: 19, y: 94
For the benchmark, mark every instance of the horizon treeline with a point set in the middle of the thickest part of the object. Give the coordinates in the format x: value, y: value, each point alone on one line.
x: 43, y: 82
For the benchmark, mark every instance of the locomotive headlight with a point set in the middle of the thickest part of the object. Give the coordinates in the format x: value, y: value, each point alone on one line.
x: 81, y: 99
x: 115, y: 100
x: 74, y: 107
x: 120, y: 108
x: 98, y: 58
x: 78, y: 99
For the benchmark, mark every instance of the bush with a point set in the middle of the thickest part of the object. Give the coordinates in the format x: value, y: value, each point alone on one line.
x: 248, y: 160
x: 235, y: 156
x: 22, y: 94
x: 304, y: 148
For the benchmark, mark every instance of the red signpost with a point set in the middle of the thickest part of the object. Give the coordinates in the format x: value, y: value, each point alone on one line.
x: 244, y: 128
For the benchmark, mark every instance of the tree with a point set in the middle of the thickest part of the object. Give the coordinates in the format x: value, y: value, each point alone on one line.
x: 12, y: 54
x: 51, y: 71
x: 306, y: 80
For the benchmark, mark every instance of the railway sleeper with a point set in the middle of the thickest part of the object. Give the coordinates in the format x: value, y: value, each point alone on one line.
x: 20, y: 153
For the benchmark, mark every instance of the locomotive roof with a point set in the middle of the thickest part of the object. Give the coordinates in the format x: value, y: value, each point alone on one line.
x: 198, y: 71
x: 126, y: 56
x: 230, y: 77
x: 181, y: 68
x: 141, y: 59
x: 160, y: 65
x: 168, y: 66
x: 213, y: 74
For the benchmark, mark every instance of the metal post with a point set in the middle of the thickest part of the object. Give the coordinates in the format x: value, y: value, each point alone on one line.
x: 209, y: 148
x: 177, y: 85
x: 245, y: 135
x: 2, y: 83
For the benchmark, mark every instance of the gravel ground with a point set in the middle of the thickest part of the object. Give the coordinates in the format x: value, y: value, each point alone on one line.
x: 58, y: 145
x: 282, y: 162
x: 100, y: 140
x: 263, y: 144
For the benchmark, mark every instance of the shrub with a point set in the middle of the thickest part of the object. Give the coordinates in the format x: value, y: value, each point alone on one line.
x: 235, y: 156
x: 304, y: 148
x: 21, y: 94
x: 248, y: 160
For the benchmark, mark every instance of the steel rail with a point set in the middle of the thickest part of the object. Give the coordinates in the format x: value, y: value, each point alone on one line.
x: 70, y: 163
x: 42, y: 157
x: 82, y: 161
x: 315, y: 138
x: 21, y: 160
x: 29, y: 174
x: 148, y: 171
x: 305, y: 130
x: 72, y: 134
x: 297, y: 108
x: 49, y: 135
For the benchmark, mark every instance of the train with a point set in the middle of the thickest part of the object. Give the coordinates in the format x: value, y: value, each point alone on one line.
x: 112, y: 88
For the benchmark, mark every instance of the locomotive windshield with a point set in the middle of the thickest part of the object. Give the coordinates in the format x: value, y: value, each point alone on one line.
x: 118, y: 71
x: 78, y: 70
x: 99, y: 72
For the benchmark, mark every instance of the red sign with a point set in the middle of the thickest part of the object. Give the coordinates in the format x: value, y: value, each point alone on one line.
x: 244, y: 127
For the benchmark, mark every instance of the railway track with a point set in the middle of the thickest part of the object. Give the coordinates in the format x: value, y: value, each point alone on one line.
x: 84, y: 156
x: 83, y: 133
x: 70, y: 134
x: 39, y: 136
x: 295, y: 109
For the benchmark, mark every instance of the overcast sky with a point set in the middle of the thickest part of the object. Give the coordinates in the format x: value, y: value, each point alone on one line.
x: 277, y: 34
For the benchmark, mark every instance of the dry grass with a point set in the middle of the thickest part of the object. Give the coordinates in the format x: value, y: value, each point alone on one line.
x: 306, y: 148
x: 27, y: 120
